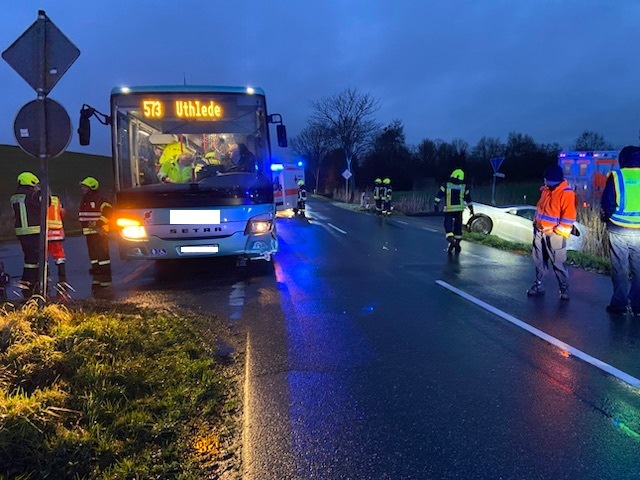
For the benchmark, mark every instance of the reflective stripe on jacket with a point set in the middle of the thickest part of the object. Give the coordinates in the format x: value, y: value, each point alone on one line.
x: 456, y: 195
x: 386, y: 193
x: 556, y: 209
x: 55, y: 230
x: 26, y: 210
x: 377, y: 191
x: 94, y: 213
x: 627, y: 188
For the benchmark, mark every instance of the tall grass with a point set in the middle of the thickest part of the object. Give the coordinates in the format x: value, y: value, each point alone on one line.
x: 596, y: 240
x: 99, y: 394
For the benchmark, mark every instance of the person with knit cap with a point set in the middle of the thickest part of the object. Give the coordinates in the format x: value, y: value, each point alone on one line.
x: 620, y: 209
x: 555, y: 214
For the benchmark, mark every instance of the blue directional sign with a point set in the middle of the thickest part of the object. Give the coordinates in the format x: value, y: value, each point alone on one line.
x: 496, y: 162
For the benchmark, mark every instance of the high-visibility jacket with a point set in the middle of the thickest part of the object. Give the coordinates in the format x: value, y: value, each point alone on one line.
x: 302, y: 194
x: 94, y: 213
x: 171, y: 152
x: 386, y: 193
x: 456, y: 195
x: 556, y: 209
x: 377, y: 192
x: 175, y: 173
x: 26, y: 210
x: 626, y: 182
x: 55, y: 213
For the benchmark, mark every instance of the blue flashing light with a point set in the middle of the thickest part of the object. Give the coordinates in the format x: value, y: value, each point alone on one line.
x: 276, y: 167
x: 300, y: 164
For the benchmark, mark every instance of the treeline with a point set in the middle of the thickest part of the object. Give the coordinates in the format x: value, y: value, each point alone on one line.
x: 342, y: 134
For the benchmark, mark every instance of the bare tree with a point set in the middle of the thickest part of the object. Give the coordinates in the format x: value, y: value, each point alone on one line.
x: 348, y: 115
x: 590, y: 140
x: 313, y: 143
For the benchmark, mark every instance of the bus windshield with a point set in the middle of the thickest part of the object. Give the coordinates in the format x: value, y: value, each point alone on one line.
x: 188, y: 137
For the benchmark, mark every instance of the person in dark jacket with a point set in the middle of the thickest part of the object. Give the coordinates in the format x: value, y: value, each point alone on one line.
x: 456, y: 196
x: 620, y: 209
x: 94, y: 214
x: 26, y: 211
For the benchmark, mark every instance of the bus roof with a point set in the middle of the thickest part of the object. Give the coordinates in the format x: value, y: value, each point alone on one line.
x: 185, y: 89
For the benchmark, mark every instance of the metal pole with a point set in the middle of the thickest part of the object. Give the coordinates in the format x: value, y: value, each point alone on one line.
x: 493, y: 190
x: 44, y: 174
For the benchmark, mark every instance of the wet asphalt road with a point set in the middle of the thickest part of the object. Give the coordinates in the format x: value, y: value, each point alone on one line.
x: 361, y: 366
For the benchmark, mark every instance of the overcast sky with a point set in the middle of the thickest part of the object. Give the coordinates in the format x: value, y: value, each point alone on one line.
x: 446, y: 68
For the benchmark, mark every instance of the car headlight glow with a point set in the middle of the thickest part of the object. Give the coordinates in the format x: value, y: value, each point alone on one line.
x: 136, y: 233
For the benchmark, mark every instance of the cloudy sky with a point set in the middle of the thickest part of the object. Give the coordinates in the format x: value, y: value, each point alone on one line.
x: 446, y: 68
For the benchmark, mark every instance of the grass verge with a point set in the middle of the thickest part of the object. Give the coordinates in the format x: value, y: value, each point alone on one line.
x: 576, y: 259
x: 97, y: 393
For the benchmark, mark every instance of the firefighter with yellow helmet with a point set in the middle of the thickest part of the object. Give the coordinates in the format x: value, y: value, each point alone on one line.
x: 456, y: 196
x: 95, y: 211
x: 26, y: 211
x: 377, y: 195
x: 387, y: 191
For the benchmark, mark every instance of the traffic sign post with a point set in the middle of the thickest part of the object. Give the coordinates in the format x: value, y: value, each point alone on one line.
x: 41, y: 56
x: 347, y: 175
x: 495, y: 164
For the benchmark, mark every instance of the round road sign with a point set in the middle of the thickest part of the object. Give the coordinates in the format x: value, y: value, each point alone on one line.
x: 26, y: 128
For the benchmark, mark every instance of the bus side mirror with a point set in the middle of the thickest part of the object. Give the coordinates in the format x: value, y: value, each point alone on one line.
x: 281, y: 132
x: 84, y: 128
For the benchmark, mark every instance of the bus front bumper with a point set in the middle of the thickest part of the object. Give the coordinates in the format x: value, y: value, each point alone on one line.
x: 252, y: 246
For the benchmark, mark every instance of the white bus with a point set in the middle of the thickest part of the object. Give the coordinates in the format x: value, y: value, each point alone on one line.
x: 192, y: 171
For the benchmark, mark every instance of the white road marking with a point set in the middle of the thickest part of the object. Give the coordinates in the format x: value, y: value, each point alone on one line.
x: 236, y: 297
x: 431, y: 229
x: 137, y: 272
x: 403, y: 223
x: 625, y: 377
x: 336, y: 228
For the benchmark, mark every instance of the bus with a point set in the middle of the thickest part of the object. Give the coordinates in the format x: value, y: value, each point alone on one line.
x: 192, y: 171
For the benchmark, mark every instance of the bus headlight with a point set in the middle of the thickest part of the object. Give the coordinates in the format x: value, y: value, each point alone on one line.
x: 132, y: 229
x: 259, y: 224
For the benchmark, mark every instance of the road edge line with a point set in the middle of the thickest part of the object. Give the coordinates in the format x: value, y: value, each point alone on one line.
x: 336, y: 228
x: 611, y: 370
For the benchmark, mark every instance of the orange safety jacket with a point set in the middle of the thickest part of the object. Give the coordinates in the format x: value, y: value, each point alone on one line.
x: 556, y: 210
x: 55, y: 214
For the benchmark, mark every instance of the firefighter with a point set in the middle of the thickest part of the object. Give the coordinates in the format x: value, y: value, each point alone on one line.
x: 302, y: 196
x: 26, y: 210
x: 456, y: 196
x: 179, y: 170
x: 386, y: 196
x: 94, y: 214
x: 556, y: 212
x: 55, y: 237
x: 377, y: 195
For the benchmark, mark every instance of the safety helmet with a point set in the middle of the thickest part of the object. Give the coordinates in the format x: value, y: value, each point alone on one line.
x: 28, y: 179
x: 387, y: 181
x: 90, y: 182
x: 457, y: 173
x: 301, y: 183
x: 378, y: 181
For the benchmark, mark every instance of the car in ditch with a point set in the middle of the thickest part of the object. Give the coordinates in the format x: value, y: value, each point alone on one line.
x: 514, y: 223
